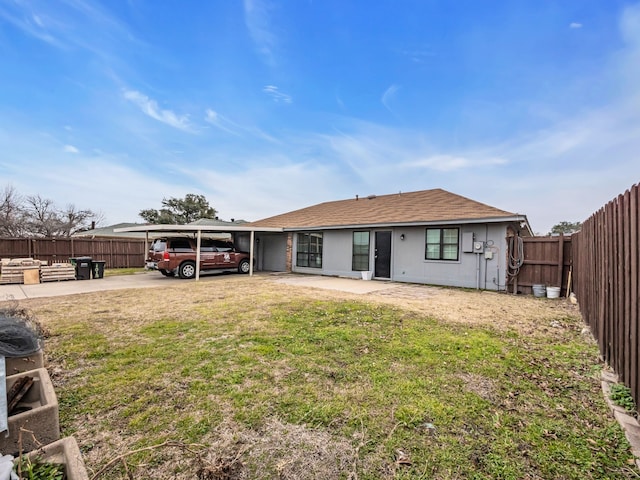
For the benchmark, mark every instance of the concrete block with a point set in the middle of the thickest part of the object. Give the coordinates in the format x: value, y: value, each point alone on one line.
x: 23, y: 364
x: 63, y: 451
x: 42, y: 418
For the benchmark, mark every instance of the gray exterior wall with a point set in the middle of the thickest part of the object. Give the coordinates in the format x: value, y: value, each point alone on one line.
x: 408, y: 262
x: 272, y: 252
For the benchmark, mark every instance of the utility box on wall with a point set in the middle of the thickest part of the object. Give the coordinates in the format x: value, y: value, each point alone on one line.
x: 467, y: 242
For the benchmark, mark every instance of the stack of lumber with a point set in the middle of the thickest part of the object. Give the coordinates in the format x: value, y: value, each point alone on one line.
x: 20, y: 270
x: 57, y: 272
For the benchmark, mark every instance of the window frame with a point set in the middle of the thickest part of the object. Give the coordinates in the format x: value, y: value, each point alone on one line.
x: 309, y: 258
x: 442, y: 243
x: 355, y: 256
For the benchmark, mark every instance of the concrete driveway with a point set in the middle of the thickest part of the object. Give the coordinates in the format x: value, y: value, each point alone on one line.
x: 155, y: 279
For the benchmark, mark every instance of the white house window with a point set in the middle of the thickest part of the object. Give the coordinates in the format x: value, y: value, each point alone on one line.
x: 309, y: 250
x: 360, y: 261
x: 442, y: 244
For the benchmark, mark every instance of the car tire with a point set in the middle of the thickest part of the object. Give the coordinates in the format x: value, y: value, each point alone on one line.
x: 167, y: 273
x: 243, y: 266
x: 187, y: 270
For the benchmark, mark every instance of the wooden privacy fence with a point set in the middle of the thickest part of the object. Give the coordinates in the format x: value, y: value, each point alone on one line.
x: 547, y: 261
x: 607, y: 280
x: 117, y: 253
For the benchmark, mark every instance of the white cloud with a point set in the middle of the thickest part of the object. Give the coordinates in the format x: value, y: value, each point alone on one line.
x: 276, y: 94
x: 29, y: 23
x: 418, y: 55
x: 71, y: 149
x: 630, y: 25
x: 73, y: 23
x: 150, y: 107
x: 448, y: 163
x: 217, y: 120
x: 575, y: 25
x: 257, y: 16
x: 388, y: 96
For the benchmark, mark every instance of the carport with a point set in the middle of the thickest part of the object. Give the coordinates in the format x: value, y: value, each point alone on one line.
x: 198, y: 230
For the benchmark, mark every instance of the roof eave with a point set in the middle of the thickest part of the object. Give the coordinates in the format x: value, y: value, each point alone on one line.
x: 417, y: 223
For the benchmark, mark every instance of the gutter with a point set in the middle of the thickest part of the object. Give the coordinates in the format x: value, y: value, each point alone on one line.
x: 515, y: 218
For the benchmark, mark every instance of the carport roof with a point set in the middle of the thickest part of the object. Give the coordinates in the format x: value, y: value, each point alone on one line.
x: 199, y: 228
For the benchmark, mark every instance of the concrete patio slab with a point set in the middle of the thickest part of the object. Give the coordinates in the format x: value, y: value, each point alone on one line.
x: 155, y: 279
x: 350, y: 285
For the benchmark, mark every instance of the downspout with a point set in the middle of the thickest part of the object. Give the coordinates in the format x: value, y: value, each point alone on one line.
x: 478, y: 271
x: 486, y: 242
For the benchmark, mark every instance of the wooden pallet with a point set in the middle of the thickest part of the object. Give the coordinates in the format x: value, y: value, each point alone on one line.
x: 13, y: 274
x: 21, y: 262
x: 20, y: 270
x: 57, y: 272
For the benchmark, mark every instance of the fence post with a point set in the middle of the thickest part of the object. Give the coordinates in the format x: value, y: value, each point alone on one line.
x: 560, y: 260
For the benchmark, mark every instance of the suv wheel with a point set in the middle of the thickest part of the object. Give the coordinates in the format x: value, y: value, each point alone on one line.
x: 187, y: 270
x: 243, y: 266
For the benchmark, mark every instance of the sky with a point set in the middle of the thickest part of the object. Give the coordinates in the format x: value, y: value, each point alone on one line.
x: 268, y: 106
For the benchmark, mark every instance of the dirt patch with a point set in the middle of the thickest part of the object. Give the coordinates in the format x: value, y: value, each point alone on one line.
x: 502, y: 311
x: 281, y: 450
x: 481, y: 386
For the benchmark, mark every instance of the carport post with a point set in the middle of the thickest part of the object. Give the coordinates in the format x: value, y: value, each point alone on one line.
x: 253, y: 234
x: 198, y: 243
x: 147, y: 247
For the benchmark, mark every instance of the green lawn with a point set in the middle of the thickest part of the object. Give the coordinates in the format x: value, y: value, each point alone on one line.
x: 269, y: 382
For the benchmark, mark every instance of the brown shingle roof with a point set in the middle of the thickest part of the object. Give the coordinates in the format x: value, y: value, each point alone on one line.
x: 413, y: 207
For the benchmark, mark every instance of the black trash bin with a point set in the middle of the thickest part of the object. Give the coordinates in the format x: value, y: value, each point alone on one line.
x: 83, y: 267
x: 97, y: 271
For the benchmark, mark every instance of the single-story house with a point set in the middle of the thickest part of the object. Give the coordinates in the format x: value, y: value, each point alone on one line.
x: 429, y: 236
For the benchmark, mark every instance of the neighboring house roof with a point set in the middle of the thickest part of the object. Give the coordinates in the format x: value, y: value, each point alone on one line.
x: 422, y: 207
x: 215, y: 222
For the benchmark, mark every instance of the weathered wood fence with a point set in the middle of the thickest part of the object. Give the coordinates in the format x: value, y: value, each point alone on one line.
x: 607, y: 282
x: 117, y: 253
x: 547, y: 261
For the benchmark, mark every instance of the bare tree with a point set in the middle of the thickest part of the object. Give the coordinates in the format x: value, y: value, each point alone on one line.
x: 11, y: 213
x: 42, y: 218
x: 74, y: 220
x: 36, y: 216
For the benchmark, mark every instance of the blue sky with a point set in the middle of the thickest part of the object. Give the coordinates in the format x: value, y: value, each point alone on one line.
x: 267, y: 106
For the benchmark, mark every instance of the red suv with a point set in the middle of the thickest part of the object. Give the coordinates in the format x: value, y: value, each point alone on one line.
x: 177, y: 255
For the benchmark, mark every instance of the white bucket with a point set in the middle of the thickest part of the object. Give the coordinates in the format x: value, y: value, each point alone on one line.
x: 366, y: 275
x: 553, y: 292
x: 539, y: 291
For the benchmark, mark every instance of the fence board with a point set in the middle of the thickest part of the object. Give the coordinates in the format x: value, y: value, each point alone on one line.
x: 117, y: 253
x: 634, y: 272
